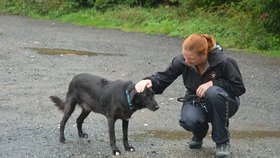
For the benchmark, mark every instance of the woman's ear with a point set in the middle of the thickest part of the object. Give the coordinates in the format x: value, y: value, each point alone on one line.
x: 204, y: 55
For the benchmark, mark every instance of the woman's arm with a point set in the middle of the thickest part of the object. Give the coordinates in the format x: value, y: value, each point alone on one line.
x: 161, y: 80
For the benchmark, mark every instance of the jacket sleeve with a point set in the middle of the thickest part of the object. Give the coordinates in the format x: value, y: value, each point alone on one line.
x: 161, y: 80
x: 232, y: 82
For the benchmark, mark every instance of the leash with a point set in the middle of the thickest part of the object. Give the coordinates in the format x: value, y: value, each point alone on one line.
x: 190, y: 97
x: 130, y: 105
x: 194, y: 99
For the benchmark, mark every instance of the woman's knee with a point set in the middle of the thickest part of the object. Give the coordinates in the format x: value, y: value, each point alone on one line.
x: 193, y: 118
x: 215, y: 92
x: 193, y: 126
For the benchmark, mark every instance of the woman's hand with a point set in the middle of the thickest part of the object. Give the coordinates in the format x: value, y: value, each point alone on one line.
x: 141, y: 85
x: 200, y: 92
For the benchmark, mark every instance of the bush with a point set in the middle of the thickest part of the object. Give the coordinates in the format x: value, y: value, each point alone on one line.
x: 263, y: 13
x: 82, y: 3
x: 45, y: 6
x: 27, y: 6
x: 272, y: 22
x: 192, y: 5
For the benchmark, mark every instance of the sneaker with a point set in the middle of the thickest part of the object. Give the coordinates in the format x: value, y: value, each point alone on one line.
x: 223, y: 150
x: 196, y: 141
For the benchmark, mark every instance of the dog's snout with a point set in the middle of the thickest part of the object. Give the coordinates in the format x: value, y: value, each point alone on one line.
x: 155, y: 107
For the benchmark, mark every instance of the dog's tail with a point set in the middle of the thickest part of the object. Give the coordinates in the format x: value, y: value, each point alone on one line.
x: 58, y: 102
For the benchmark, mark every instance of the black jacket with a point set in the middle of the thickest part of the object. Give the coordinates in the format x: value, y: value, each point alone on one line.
x: 222, y: 70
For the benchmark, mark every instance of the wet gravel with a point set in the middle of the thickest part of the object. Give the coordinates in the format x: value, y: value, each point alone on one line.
x: 29, y: 122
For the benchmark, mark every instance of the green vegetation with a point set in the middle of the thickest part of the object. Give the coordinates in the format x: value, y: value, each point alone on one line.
x: 251, y: 25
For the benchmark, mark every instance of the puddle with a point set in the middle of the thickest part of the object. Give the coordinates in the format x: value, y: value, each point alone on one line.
x: 69, y: 52
x: 170, y: 135
x: 178, y: 135
x: 255, y: 134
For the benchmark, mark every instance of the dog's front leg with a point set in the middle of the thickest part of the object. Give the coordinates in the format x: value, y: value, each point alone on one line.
x: 111, y: 125
x: 125, y: 139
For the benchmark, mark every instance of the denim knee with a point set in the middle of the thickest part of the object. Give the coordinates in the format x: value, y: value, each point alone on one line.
x: 193, y: 118
x: 215, y: 93
x: 193, y: 126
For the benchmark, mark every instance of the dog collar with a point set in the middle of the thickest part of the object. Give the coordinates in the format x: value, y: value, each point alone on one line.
x: 130, y: 105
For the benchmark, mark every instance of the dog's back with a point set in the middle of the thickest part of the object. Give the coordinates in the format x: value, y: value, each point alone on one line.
x: 88, y: 82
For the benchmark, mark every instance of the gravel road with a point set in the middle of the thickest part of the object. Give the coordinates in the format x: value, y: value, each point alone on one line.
x: 29, y: 123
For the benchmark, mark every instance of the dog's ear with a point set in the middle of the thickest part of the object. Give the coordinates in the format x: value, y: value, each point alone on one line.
x: 151, y: 90
x: 132, y: 94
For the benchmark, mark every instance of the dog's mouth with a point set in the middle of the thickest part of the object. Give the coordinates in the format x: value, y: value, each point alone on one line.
x: 154, y: 108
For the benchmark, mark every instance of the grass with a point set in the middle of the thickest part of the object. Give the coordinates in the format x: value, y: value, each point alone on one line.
x: 234, y: 33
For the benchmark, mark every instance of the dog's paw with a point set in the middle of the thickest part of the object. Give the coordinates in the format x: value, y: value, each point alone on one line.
x: 83, y: 135
x: 62, y: 140
x: 131, y: 149
x: 116, y: 153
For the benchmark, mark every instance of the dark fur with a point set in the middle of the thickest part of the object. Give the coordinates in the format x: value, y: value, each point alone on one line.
x: 94, y: 93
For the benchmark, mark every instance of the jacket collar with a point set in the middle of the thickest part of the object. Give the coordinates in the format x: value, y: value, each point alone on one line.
x: 215, y: 56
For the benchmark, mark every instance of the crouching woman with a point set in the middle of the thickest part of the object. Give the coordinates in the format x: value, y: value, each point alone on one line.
x: 214, y: 78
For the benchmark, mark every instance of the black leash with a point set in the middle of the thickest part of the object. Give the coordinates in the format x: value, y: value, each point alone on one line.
x: 194, y: 99
x: 187, y: 98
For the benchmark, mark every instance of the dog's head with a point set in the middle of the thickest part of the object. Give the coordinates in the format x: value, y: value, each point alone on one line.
x: 145, y: 99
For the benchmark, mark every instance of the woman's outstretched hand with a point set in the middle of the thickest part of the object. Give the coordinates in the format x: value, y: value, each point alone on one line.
x: 141, y: 85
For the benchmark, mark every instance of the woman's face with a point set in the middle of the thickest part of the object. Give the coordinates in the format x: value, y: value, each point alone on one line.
x: 192, y: 58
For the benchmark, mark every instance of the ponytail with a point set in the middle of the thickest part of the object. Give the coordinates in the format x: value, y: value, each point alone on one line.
x: 210, y: 41
x: 201, y: 43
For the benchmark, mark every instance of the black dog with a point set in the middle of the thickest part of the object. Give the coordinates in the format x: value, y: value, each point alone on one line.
x: 114, y: 99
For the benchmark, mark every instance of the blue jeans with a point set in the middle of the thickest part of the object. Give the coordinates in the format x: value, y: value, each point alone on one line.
x: 217, y: 110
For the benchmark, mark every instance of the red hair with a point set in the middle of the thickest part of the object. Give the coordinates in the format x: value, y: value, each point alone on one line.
x: 201, y: 43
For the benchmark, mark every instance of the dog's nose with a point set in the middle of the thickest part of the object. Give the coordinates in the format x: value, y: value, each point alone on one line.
x: 156, y: 107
